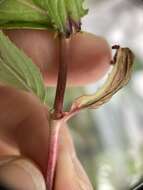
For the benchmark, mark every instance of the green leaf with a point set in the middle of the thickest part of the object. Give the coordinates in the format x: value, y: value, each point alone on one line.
x: 56, y: 11
x: 17, y: 70
x: 14, y: 12
x: 62, y: 11
x: 119, y: 77
x: 75, y: 9
x: 58, y: 15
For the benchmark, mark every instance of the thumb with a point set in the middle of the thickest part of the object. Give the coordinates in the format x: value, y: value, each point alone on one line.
x: 18, y: 173
x: 69, y: 172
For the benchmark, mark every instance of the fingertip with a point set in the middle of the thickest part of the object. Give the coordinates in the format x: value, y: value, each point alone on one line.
x: 90, y: 60
x: 20, y: 173
x: 65, y: 174
x: 69, y: 172
x: 24, y: 125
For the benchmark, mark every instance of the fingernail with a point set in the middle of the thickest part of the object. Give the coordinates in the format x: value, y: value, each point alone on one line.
x: 81, y: 176
x: 65, y: 141
x: 20, y: 173
x: 65, y: 175
x: 69, y: 162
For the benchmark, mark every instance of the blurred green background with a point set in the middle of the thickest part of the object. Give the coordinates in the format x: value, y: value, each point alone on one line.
x: 109, y: 140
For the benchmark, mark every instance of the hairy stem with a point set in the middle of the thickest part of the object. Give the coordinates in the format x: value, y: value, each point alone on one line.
x: 52, y: 152
x: 62, y: 77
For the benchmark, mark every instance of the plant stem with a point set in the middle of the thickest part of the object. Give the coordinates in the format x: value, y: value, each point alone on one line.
x: 62, y: 77
x: 56, y: 118
x: 52, y: 152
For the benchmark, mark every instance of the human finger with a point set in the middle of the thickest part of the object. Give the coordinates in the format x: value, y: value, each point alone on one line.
x: 69, y: 172
x: 24, y: 125
x: 19, y: 173
x: 89, y: 56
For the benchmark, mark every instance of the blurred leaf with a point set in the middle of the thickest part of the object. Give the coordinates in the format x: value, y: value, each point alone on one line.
x: 40, y: 14
x: 120, y: 75
x: 17, y: 70
x: 138, y: 65
x: 22, y: 13
x: 61, y: 11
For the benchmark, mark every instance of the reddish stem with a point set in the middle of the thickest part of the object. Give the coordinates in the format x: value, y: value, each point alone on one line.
x: 56, y: 118
x: 62, y: 78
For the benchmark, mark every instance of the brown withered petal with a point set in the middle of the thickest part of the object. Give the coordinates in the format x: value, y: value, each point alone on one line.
x: 119, y: 77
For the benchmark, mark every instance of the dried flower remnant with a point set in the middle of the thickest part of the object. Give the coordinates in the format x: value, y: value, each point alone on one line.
x: 119, y: 77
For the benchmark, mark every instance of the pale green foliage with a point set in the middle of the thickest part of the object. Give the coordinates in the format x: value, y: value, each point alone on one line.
x: 40, y: 14
x: 17, y: 70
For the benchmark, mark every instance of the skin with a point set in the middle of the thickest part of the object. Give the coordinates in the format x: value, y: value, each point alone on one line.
x: 23, y: 120
x: 90, y: 55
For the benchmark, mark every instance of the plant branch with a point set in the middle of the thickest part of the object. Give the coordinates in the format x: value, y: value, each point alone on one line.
x: 62, y: 77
